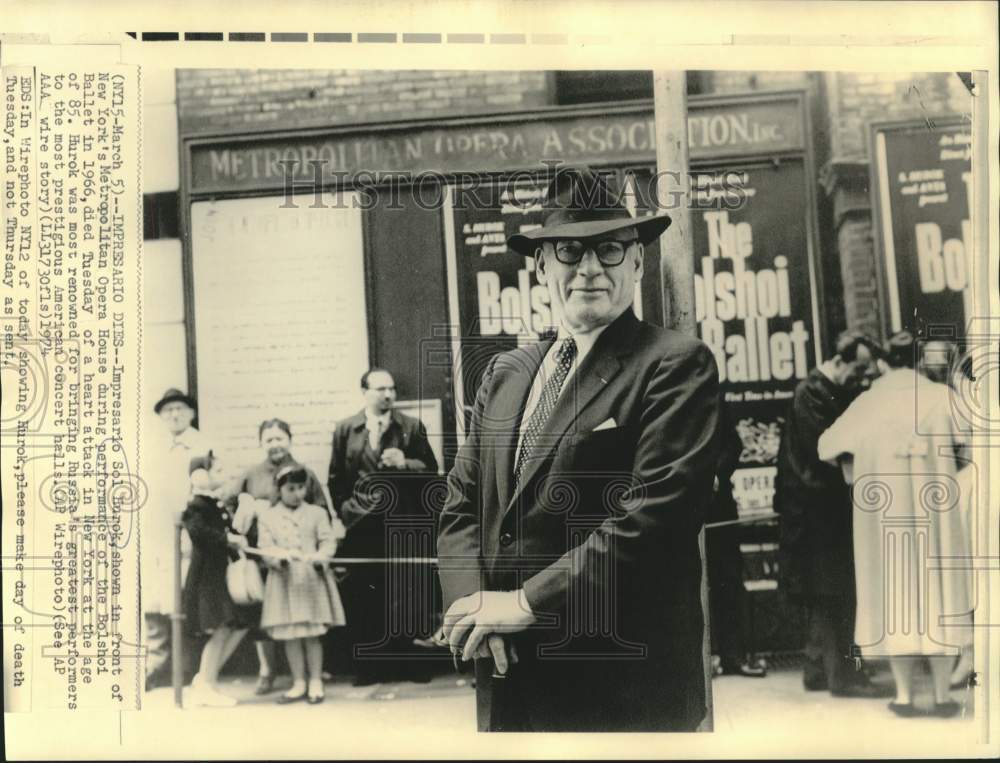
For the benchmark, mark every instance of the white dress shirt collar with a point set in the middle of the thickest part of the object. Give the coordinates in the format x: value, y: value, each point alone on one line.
x: 376, y: 426
x: 371, y: 421
x: 190, y: 439
x: 584, y: 339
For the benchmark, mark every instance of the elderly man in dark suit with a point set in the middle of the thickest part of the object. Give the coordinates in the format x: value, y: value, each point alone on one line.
x: 569, y: 539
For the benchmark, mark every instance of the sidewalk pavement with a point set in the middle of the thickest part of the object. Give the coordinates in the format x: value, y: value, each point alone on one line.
x: 777, y: 712
x: 753, y: 718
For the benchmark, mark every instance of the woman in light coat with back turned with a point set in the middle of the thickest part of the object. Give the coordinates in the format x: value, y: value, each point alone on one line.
x: 906, y: 450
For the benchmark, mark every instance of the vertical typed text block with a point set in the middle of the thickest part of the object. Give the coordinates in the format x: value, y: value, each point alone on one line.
x: 69, y: 354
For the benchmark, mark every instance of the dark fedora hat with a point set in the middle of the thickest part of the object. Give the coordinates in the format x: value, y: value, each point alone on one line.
x: 583, y: 204
x: 173, y: 395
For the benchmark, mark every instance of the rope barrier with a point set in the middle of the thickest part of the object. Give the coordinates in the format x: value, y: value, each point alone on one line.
x: 347, y: 561
x: 743, y: 521
x: 177, y: 617
x: 337, y: 560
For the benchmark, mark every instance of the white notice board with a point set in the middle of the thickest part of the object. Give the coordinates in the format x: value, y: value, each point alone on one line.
x: 280, y: 321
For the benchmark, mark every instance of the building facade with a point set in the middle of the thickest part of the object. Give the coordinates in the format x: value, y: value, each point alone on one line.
x: 240, y: 104
x: 266, y: 297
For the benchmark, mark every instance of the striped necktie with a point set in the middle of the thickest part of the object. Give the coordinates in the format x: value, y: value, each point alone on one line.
x: 546, y: 404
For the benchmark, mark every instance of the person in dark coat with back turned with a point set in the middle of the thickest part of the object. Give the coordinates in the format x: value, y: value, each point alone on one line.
x: 570, y: 532
x: 208, y: 607
x: 816, y: 542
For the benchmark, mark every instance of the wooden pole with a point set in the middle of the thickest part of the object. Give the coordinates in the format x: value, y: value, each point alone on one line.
x: 677, y: 265
x: 676, y: 247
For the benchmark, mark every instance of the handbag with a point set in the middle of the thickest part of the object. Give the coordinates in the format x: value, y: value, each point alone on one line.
x: 244, y: 581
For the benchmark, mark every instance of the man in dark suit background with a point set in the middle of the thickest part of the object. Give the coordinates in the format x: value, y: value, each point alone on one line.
x: 378, y: 455
x: 569, y: 538
x: 817, y: 546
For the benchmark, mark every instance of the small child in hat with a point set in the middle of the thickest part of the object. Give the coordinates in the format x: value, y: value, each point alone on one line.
x: 208, y: 607
x: 301, y: 601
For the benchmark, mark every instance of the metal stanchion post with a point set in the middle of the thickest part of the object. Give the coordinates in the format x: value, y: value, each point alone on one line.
x: 177, y: 621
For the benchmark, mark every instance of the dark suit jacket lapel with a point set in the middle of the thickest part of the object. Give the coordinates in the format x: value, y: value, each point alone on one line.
x: 510, y: 404
x: 600, y: 366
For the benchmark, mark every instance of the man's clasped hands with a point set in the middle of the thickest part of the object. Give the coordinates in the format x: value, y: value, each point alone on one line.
x: 477, y: 626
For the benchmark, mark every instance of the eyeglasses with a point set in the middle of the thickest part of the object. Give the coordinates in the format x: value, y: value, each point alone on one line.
x: 609, y: 253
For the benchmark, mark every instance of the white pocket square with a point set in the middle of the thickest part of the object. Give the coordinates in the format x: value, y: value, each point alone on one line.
x: 608, y: 424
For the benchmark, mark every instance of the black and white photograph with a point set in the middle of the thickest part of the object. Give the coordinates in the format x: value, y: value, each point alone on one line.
x: 379, y: 305
x: 470, y: 400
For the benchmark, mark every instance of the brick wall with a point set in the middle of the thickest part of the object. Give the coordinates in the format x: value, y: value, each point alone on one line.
x: 841, y: 106
x: 857, y: 271
x: 859, y: 98
x: 746, y: 82
x: 855, y: 100
x: 235, y: 99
